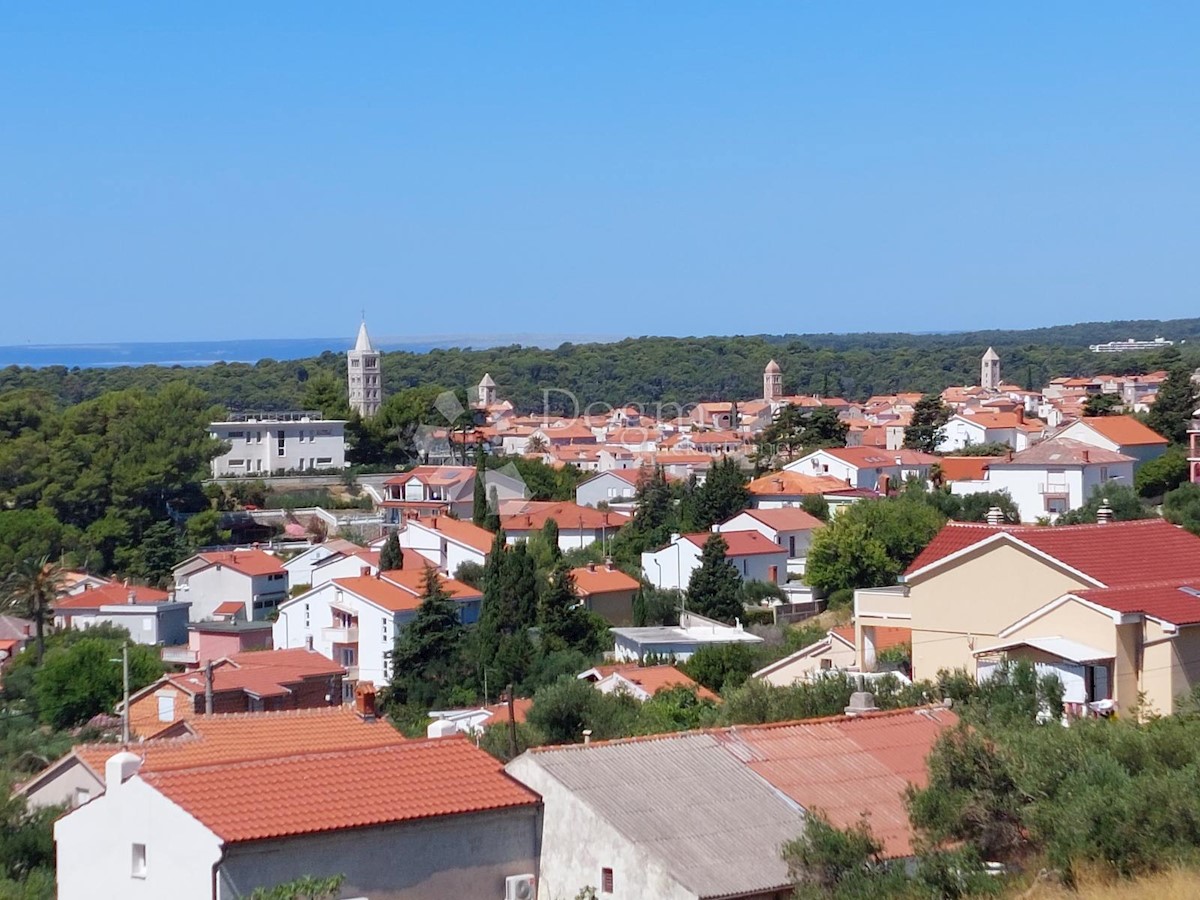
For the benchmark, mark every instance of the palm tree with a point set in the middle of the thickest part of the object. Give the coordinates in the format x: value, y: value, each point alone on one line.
x: 30, y: 591
x: 535, y: 444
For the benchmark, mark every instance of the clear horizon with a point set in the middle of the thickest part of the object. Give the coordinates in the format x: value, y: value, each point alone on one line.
x: 180, y: 175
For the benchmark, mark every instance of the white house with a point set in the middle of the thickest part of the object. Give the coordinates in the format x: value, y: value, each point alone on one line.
x: 300, y: 567
x: 987, y: 427
x: 1120, y: 434
x: 616, y: 486
x: 149, y: 615
x: 446, y: 543
x: 788, y: 527
x: 378, y: 816
x: 252, y: 577
x: 438, y: 490
x: 345, y: 564
x: 1052, y: 477
x: 578, y: 526
x: 835, y: 652
x: 354, y: 621
x: 865, y: 467
x: 279, y: 442
x: 756, y: 558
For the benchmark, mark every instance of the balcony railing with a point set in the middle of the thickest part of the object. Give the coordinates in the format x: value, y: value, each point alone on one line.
x: 1054, y: 490
x: 180, y: 655
x: 341, y: 634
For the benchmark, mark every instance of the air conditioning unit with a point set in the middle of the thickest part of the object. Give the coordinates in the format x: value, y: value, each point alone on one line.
x: 519, y: 887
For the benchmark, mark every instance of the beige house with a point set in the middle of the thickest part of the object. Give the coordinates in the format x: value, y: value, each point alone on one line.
x: 1112, y: 609
x: 836, y: 651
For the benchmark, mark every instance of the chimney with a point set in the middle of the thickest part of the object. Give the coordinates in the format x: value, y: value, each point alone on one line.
x: 1021, y: 414
x: 119, y: 768
x: 308, y: 643
x: 87, y: 586
x: 208, y: 688
x: 1104, y: 514
x: 995, y: 516
x: 364, y: 571
x: 364, y: 701
x: 587, y: 736
x: 441, y: 728
x: 591, y: 567
x: 608, y: 563
x: 1087, y: 456
x: 131, y: 597
x: 861, y: 702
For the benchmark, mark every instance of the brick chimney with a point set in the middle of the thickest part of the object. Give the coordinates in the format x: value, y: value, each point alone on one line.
x: 364, y: 701
x: 364, y: 571
x: 1087, y: 456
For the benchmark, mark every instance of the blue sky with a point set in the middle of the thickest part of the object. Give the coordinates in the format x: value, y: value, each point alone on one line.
x: 200, y: 171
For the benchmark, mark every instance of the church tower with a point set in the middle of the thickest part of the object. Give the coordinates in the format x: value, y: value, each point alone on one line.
x: 989, y: 374
x: 364, y: 377
x: 487, y: 391
x: 772, y: 381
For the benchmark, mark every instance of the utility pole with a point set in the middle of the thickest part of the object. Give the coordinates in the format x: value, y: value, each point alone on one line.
x: 125, y: 692
x: 512, y: 725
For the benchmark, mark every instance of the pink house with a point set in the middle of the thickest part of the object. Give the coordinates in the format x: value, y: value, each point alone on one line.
x: 217, y: 640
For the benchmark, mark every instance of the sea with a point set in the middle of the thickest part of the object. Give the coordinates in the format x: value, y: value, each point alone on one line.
x: 205, y: 353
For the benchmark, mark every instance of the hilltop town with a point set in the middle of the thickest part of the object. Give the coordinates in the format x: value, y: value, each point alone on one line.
x: 540, y: 654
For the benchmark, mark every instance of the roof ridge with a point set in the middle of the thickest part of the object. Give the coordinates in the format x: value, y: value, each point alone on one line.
x: 1139, y: 585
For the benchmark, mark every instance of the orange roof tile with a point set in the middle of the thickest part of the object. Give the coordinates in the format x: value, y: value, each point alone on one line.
x: 235, y: 737
x: 786, y: 518
x: 114, y: 594
x: 653, y: 679
x: 885, y: 636
x: 248, y: 562
x: 530, y: 515
x: 794, y: 484
x: 466, y: 533
x: 1124, y: 430
x: 968, y: 468
x: 739, y: 543
x: 346, y: 789
x: 229, y: 608
x: 602, y: 580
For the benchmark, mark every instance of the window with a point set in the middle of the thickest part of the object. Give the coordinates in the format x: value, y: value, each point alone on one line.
x: 1104, y: 473
x: 235, y: 463
x: 82, y: 796
x: 606, y: 881
x: 324, y: 460
x: 236, y: 434
x: 354, y: 363
x: 256, y: 704
x: 138, y: 869
x: 792, y: 546
x: 282, y: 449
x: 307, y: 621
x: 166, y: 708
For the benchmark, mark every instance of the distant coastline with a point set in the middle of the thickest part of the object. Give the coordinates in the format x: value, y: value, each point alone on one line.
x: 207, y: 353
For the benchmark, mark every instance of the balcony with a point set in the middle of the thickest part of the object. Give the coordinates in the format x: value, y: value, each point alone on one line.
x: 352, y: 673
x: 180, y: 656
x: 340, y: 634
x: 1054, y: 489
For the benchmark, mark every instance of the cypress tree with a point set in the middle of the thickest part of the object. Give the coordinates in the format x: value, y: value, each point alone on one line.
x: 479, y: 511
x: 427, y: 657
x: 715, y: 589
x: 550, y: 535
x: 1174, y: 405
x: 391, y: 556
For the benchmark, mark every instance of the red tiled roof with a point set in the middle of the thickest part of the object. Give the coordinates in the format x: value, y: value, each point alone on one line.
x: 261, y: 673
x: 399, y: 590
x: 786, y: 518
x: 229, y: 608
x: 1172, y: 601
x: 653, y: 679
x: 348, y: 789
x: 466, y: 533
x: 499, y: 711
x: 602, y: 580
x: 1062, y: 451
x: 1124, y: 430
x: 740, y: 543
x: 235, y: 737
x: 111, y: 595
x: 529, y: 515
x: 248, y: 562
x: 794, y: 484
x: 992, y: 419
x: 968, y: 468
x: 849, y: 767
x: 871, y: 458
x: 1116, y: 554
x: 435, y: 475
x: 413, y: 581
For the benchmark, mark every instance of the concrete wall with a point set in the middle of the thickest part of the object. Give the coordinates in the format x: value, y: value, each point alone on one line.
x: 209, y: 587
x: 833, y: 652
x: 94, y: 847
x: 254, y: 447
x: 64, y: 786
x: 616, y: 607
x: 577, y: 844
x: 604, y: 489
x: 463, y: 857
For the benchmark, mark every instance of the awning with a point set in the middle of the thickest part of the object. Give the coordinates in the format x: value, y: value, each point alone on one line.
x: 1064, y: 648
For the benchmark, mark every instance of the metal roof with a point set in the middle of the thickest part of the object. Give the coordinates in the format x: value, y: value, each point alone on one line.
x: 1062, y: 647
x: 714, y: 824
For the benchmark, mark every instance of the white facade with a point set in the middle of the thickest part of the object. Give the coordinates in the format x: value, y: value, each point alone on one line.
x: 342, y: 566
x: 207, y: 585
x: 865, y: 477
x: 364, y: 377
x: 344, y: 627
x: 963, y: 431
x: 607, y: 487
x: 442, y: 550
x: 279, y: 442
x: 795, y: 541
x: 1041, y: 491
x: 1086, y: 434
x: 300, y: 567
x: 675, y: 642
x: 671, y: 567
x: 147, y: 623
x: 132, y: 843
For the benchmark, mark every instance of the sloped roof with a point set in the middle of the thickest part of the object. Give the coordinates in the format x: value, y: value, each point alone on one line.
x: 849, y: 768
x: 400, y: 590
x: 1116, y: 554
x: 653, y: 679
x: 435, y: 475
x: 235, y: 737
x: 363, y: 342
x: 114, y: 594
x: 739, y: 543
x: 886, y: 637
x: 260, y: 673
x: 794, y: 483
x: 704, y: 815
x: 870, y: 457
x: 1125, y: 430
x: 426, y: 779
x: 249, y: 562
x: 785, y: 518
x: 528, y: 515
x: 1062, y: 451
x: 968, y: 468
x: 602, y: 580
x: 1174, y: 601
x: 466, y: 533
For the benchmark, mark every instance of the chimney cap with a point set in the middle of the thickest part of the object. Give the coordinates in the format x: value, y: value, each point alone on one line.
x: 861, y: 702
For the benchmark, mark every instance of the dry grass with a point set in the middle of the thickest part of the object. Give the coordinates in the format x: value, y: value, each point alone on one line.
x: 1176, y: 884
